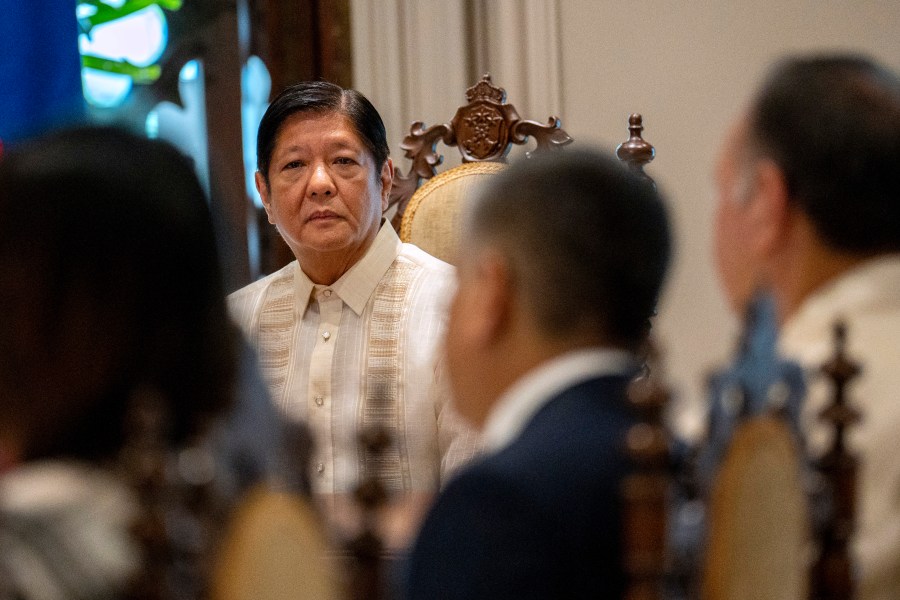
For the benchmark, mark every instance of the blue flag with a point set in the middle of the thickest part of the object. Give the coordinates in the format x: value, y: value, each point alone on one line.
x: 40, y: 68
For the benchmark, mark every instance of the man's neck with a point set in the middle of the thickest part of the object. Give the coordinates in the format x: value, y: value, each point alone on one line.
x: 324, y: 268
x: 806, y: 272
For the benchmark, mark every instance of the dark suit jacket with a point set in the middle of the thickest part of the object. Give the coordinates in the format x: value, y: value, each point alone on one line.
x: 540, y: 518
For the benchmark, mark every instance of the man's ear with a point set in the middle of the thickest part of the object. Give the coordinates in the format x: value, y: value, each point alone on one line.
x: 494, y: 298
x: 387, y: 181
x: 769, y: 208
x: 263, y: 188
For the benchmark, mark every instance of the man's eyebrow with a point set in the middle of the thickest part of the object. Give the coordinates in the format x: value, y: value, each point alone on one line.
x: 341, y: 142
x: 332, y: 142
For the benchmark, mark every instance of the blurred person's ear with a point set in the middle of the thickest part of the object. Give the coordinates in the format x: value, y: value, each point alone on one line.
x: 769, y: 209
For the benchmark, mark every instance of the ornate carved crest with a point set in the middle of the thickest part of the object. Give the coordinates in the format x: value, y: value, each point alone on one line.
x: 482, y: 130
x: 486, y: 90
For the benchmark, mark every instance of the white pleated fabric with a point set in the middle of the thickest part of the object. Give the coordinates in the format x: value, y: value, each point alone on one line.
x: 359, y: 352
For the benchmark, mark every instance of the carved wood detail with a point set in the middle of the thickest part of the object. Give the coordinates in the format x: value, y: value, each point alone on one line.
x: 367, y: 549
x: 635, y: 151
x: 832, y: 572
x: 645, y: 492
x: 483, y: 130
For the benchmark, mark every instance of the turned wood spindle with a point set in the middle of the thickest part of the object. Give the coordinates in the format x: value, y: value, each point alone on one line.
x: 636, y: 151
x: 367, y: 548
x: 832, y: 572
x: 645, y: 490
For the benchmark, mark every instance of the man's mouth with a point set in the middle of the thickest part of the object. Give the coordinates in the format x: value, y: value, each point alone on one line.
x: 323, y: 215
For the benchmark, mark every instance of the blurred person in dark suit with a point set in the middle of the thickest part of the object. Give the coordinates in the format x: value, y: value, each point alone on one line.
x: 564, y: 257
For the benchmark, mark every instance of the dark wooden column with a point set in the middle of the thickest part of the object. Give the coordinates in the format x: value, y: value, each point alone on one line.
x: 299, y: 40
x: 223, y: 58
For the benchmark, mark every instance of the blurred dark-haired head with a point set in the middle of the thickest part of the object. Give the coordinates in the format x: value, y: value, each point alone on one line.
x: 588, y: 242
x: 109, y: 284
x: 832, y: 125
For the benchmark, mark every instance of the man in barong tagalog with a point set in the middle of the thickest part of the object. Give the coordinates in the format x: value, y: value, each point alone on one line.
x: 809, y: 210
x: 347, y: 333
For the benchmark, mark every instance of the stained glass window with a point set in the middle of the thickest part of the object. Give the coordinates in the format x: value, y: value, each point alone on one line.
x: 120, y: 43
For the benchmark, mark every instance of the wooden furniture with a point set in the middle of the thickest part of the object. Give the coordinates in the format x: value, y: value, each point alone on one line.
x: 366, y: 550
x: 274, y: 548
x: 646, y: 491
x: 831, y: 576
x: 202, y: 539
x: 483, y: 130
x: 428, y: 205
x: 761, y: 534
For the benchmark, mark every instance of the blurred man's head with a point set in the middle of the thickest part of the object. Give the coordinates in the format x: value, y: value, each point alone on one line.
x: 814, y: 165
x: 559, y: 252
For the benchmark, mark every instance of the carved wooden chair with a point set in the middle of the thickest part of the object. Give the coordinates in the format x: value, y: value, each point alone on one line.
x: 200, y: 539
x: 756, y: 518
x: 484, y: 131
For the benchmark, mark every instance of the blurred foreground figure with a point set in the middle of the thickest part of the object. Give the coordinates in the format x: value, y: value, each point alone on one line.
x: 110, y: 295
x: 564, y: 260
x: 809, y: 210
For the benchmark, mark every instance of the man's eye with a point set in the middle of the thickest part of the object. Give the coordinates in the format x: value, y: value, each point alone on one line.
x: 344, y: 160
x: 294, y: 164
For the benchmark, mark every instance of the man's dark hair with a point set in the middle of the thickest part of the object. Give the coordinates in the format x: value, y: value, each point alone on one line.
x: 832, y: 124
x: 587, y: 240
x: 110, y: 233
x: 321, y: 97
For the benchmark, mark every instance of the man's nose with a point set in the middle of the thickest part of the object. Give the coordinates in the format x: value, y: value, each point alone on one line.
x: 321, y: 185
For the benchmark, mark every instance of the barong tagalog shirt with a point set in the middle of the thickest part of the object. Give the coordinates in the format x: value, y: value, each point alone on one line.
x: 867, y: 299
x: 362, y: 352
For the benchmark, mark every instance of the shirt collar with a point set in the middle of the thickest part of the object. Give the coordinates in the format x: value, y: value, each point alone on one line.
x: 515, y: 408
x: 356, y: 286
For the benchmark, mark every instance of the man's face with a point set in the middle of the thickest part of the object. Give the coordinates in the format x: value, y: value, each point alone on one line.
x: 737, y: 268
x: 324, y: 192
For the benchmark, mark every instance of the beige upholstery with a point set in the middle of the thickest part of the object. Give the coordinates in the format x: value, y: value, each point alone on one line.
x: 432, y: 218
x: 758, y: 525
x: 274, y: 549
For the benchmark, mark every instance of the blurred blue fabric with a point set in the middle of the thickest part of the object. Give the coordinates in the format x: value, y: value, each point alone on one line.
x: 40, y: 68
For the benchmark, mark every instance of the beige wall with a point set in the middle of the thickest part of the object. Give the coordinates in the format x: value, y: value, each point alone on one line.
x: 688, y: 67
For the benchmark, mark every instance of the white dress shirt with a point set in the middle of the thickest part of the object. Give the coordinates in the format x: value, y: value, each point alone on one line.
x: 515, y: 408
x: 868, y: 299
x: 324, y: 348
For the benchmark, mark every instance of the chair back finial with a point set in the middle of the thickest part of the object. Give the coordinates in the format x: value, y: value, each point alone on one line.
x: 636, y: 152
x: 832, y: 573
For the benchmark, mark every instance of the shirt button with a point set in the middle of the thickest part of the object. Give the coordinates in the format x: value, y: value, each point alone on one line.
x: 327, y: 293
x: 320, y: 401
x: 325, y: 335
x: 320, y: 468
